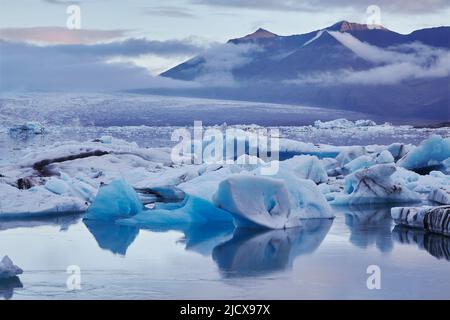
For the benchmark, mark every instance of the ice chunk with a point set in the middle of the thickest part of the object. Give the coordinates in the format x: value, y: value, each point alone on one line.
x: 65, y: 185
x: 192, y: 210
x: 440, y: 195
x: 429, y: 154
x: 384, y: 157
x: 399, y: 150
x: 361, y: 162
x: 8, y: 269
x: 37, y: 201
x: 28, y: 127
x: 306, y: 167
x: 349, y: 154
x: 256, y: 201
x: 375, y: 185
x: 269, y: 202
x: 433, y: 219
x: 115, y: 200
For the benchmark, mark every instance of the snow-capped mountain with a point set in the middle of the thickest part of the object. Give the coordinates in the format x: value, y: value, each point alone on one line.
x: 347, y: 65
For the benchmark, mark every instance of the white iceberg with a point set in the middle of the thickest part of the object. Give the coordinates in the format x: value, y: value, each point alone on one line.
x: 374, y: 185
x: 271, y: 203
x: 37, y: 201
x: 8, y: 269
x: 430, y: 153
x: 306, y: 167
x: 258, y: 201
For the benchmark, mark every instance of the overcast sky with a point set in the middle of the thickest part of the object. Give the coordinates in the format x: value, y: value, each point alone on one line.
x: 175, y: 30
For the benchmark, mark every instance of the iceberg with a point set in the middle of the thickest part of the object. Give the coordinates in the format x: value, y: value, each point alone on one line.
x: 36, y: 201
x: 374, y: 185
x: 272, y: 203
x: 432, y: 219
x: 399, y: 150
x: 430, y: 154
x: 115, y: 200
x: 349, y: 154
x: 192, y: 210
x: 258, y: 201
x: 306, y: 167
x: 8, y: 269
x: 32, y: 127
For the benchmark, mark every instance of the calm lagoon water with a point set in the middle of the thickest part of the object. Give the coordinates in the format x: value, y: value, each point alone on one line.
x: 327, y: 259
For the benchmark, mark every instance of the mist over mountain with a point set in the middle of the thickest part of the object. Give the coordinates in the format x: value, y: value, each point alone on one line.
x: 345, y: 66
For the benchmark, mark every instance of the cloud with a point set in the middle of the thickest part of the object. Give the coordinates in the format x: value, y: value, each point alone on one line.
x: 221, y: 59
x: 397, y: 6
x: 77, y: 67
x: 62, y: 2
x: 171, y: 12
x: 60, y: 35
x: 394, y: 65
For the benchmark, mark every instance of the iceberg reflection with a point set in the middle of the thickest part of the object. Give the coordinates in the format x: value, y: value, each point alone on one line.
x: 370, y: 226
x: 252, y: 251
x: 113, y: 237
x: 435, y: 244
x: 7, y: 287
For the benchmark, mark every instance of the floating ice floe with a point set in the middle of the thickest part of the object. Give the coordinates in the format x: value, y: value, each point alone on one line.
x: 430, y: 154
x: 375, y: 185
x: 433, y: 219
x: 8, y: 269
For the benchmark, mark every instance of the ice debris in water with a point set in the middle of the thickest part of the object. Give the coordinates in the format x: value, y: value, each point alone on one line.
x: 430, y: 153
x: 8, y: 269
x: 115, y: 200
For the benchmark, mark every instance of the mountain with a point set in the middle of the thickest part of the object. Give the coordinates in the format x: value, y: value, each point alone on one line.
x: 347, y: 66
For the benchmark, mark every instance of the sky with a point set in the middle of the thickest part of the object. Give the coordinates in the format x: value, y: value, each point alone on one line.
x: 160, y: 34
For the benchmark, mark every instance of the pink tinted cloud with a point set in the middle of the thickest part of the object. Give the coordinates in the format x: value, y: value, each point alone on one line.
x: 60, y: 35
